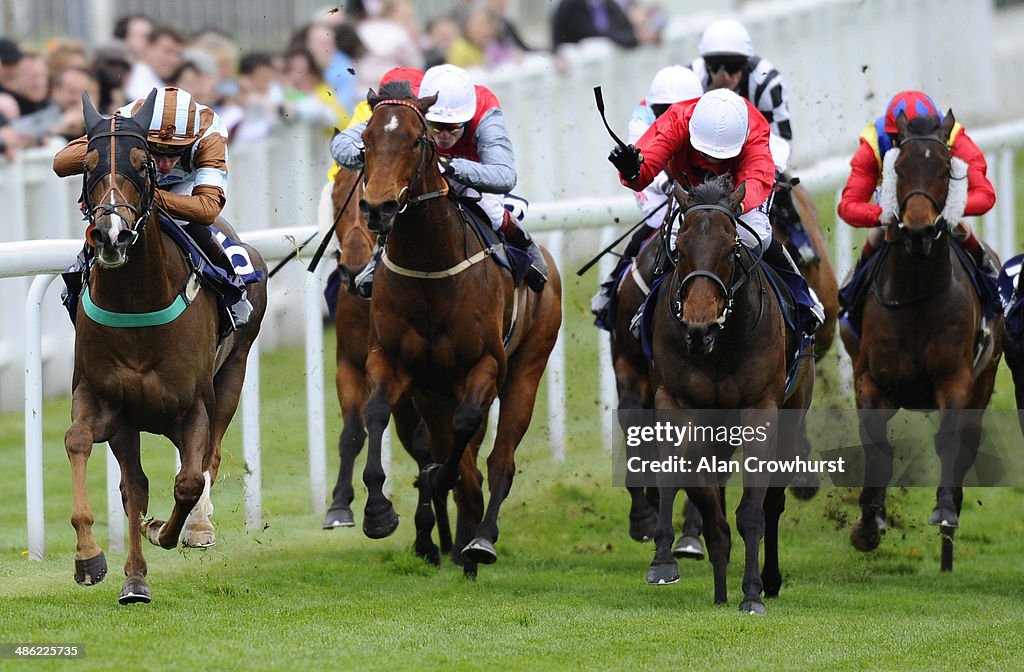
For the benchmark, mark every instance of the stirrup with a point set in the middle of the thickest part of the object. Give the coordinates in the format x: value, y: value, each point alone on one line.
x: 362, y: 284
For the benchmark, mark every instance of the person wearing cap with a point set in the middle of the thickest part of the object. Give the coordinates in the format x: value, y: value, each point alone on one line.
x: 720, y: 133
x: 670, y: 85
x: 727, y: 61
x: 475, y: 152
x: 188, y: 142
x: 10, y: 57
x: 859, y: 205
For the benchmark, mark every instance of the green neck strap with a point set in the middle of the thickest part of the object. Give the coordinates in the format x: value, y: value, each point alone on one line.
x: 153, y: 319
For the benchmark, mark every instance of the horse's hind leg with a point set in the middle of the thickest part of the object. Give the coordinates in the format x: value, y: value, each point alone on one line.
x: 709, y: 502
x: 634, y: 393
x: 865, y: 535
x: 135, y: 499
x: 689, y: 545
x: 90, y: 564
x: 412, y: 434
x: 957, y: 443
x: 351, y: 384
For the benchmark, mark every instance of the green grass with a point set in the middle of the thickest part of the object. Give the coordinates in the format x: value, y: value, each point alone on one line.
x: 568, y: 591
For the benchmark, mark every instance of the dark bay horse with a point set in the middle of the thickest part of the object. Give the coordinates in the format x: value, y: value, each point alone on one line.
x: 917, y: 345
x: 352, y: 326
x: 171, y: 378
x: 448, y: 330
x: 720, y: 342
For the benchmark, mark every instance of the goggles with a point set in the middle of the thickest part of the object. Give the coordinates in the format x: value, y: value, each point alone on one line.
x: 439, y: 127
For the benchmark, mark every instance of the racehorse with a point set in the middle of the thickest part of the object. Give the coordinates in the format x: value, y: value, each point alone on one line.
x: 447, y: 329
x: 172, y: 377
x: 352, y: 326
x: 719, y: 341
x: 920, y: 322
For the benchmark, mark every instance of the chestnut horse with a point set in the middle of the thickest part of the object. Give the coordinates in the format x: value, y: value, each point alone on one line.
x: 352, y: 325
x: 917, y: 345
x: 447, y: 329
x: 169, y: 377
x: 720, y: 341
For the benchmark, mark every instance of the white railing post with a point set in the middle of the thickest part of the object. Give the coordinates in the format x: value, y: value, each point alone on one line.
x: 315, y: 391
x: 34, y: 417
x: 252, y: 483
x: 606, y: 370
x: 555, y: 373
x: 115, y: 508
x: 842, y: 263
x: 1007, y: 206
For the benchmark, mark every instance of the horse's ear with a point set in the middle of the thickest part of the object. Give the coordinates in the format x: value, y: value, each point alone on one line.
x: 145, y: 114
x: 947, y: 125
x: 736, y: 198
x: 426, y: 103
x: 902, y: 125
x: 681, y: 195
x: 92, y: 115
x: 372, y: 98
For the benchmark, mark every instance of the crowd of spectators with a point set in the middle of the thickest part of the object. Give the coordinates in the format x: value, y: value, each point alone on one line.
x: 320, y: 75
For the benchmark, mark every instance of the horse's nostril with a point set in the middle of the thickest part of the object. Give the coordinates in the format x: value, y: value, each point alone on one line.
x: 389, y: 209
x: 124, y: 237
x: 99, y: 238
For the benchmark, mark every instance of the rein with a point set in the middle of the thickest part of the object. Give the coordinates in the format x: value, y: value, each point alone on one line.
x: 140, y: 211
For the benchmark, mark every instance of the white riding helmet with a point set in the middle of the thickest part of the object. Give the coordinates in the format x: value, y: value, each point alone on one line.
x: 673, y: 84
x: 726, y: 36
x: 456, y: 95
x: 718, y: 126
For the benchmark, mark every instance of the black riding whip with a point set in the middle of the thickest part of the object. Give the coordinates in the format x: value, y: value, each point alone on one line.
x: 599, y: 99
x: 586, y: 267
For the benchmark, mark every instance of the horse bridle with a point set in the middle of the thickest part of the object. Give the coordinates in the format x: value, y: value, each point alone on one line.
x: 424, y: 143
x: 921, y: 192
x: 729, y: 292
x: 146, y: 188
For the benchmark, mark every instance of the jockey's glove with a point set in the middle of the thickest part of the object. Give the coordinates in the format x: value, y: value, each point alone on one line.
x: 627, y: 160
x: 445, y: 164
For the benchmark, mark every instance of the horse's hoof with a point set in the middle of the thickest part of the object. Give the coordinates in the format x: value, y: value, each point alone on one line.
x: 865, y: 537
x: 663, y: 573
x: 753, y: 607
x: 135, y: 591
x: 431, y: 554
x: 772, y: 585
x: 339, y: 518
x: 90, y: 572
x: 803, y: 493
x: 688, y: 547
x: 944, y: 517
x: 642, y: 529
x: 199, y: 538
x: 480, y: 551
x: 151, y: 530
x: 381, y: 525
x: 469, y: 570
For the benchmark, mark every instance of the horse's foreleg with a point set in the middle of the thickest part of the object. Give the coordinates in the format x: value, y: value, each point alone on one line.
x: 874, y: 416
x: 135, y: 499
x: 771, y: 575
x: 351, y: 384
x: 90, y: 564
x: 413, y: 435
x: 956, y: 443
x: 634, y: 395
x: 190, y: 481
x: 750, y: 524
x: 689, y: 545
x: 379, y: 517
x: 708, y: 501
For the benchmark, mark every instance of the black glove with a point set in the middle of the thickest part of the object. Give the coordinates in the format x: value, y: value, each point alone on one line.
x: 445, y: 164
x: 627, y: 160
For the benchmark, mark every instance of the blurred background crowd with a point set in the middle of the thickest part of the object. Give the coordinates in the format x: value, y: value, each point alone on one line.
x: 317, y: 76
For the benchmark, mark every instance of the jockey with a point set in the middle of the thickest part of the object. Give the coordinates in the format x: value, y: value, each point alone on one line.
x: 727, y: 61
x: 856, y: 207
x: 670, y: 85
x: 188, y: 142
x: 475, y: 153
x: 720, y: 133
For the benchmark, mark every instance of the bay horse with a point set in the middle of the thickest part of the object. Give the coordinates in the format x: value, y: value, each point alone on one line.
x: 631, y: 366
x: 447, y: 332
x: 172, y: 378
x: 719, y: 341
x: 920, y: 320
x: 352, y: 326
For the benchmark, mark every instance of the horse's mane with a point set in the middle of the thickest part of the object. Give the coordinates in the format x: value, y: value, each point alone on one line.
x: 712, y: 191
x: 398, y: 89
x: 924, y: 126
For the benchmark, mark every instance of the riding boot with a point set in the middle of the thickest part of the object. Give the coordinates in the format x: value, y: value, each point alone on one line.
x: 786, y: 220
x: 600, y: 301
x: 979, y: 254
x: 362, y: 284
x: 212, y: 247
x: 517, y: 236
x: 813, y: 315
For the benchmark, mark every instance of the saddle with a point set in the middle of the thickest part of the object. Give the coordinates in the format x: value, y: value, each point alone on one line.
x: 1012, y: 301
x: 785, y: 219
x: 512, y: 259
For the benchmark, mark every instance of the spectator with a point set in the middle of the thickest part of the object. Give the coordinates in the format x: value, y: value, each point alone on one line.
x: 10, y: 139
x: 306, y: 93
x: 112, y: 65
x: 159, y: 60
x: 508, y: 35
x: 442, y: 32
x: 261, y: 99
x: 225, y: 54
x: 134, y: 30
x: 390, y: 36
x: 478, y: 46
x: 68, y: 87
x: 33, y: 84
x: 10, y: 56
x: 340, y: 73
x: 649, y: 20
x: 64, y: 53
x: 197, y: 75
x: 577, y: 20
